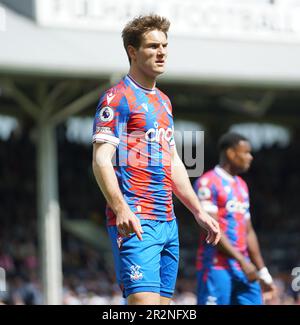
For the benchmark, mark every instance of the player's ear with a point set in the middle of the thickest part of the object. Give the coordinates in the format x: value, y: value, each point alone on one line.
x: 131, y: 52
x: 230, y: 153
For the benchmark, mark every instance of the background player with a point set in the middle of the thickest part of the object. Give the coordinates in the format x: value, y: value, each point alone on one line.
x: 228, y: 273
x: 134, y: 119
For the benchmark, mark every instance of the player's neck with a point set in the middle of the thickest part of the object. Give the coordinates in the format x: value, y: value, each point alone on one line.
x: 142, y: 79
x: 228, y: 169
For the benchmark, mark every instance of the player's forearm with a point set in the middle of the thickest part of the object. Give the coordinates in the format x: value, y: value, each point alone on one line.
x: 108, y: 183
x: 183, y: 189
x: 254, y: 250
x: 225, y: 247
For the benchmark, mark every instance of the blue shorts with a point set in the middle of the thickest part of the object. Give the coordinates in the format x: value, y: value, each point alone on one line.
x: 149, y: 265
x: 221, y: 287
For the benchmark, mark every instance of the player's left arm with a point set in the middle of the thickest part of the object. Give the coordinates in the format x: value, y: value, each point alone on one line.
x: 184, y: 191
x: 253, y: 247
x: 257, y: 259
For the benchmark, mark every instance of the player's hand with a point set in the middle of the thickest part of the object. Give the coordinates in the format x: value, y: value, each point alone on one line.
x: 127, y: 223
x: 250, y: 270
x: 269, y: 291
x: 211, y: 226
x: 267, y: 284
x: 268, y: 287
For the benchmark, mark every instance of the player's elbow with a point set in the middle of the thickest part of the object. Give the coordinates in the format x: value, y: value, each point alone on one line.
x: 94, y: 165
x: 100, y: 160
x: 96, y: 162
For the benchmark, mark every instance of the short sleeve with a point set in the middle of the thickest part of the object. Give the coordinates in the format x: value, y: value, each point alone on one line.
x: 111, y: 118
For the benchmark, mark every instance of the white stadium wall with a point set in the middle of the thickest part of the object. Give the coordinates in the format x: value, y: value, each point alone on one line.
x: 229, y: 41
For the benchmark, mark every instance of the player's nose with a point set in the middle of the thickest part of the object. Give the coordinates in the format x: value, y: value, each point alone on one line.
x: 162, y: 50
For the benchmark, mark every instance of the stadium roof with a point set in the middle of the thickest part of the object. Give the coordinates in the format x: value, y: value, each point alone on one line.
x: 29, y: 48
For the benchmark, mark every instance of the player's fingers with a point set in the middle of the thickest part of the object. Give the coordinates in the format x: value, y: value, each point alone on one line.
x: 209, y: 237
x: 137, y: 229
x: 213, y: 240
x: 138, y: 233
x: 217, y: 238
x: 213, y: 232
x: 139, y: 225
x: 124, y: 230
x: 215, y: 225
x: 216, y: 232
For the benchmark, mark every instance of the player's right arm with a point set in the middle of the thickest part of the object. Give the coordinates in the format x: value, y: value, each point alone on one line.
x: 126, y: 221
x: 208, y: 196
x: 229, y: 250
x: 110, y: 122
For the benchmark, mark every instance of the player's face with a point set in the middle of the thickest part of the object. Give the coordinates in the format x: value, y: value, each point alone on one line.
x: 151, y: 56
x: 242, y: 157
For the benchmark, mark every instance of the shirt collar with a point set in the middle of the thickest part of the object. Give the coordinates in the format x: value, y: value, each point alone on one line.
x: 139, y: 86
x: 224, y: 174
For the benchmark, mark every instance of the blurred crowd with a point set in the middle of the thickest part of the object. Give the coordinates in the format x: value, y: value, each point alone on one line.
x: 274, y: 184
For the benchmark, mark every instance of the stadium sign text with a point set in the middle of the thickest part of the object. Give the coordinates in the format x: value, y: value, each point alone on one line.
x: 2, y: 20
x: 227, y: 19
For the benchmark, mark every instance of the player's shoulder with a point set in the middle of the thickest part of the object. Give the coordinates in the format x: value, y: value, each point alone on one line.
x: 206, y: 186
x: 242, y: 182
x: 114, y: 95
x: 207, y: 178
x: 163, y: 95
x: 165, y: 101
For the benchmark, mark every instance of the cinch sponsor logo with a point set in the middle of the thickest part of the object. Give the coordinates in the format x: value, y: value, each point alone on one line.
x: 236, y: 206
x: 158, y: 134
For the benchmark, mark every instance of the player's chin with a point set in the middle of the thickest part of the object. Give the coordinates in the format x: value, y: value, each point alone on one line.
x: 244, y: 168
x: 155, y: 73
x: 159, y: 69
